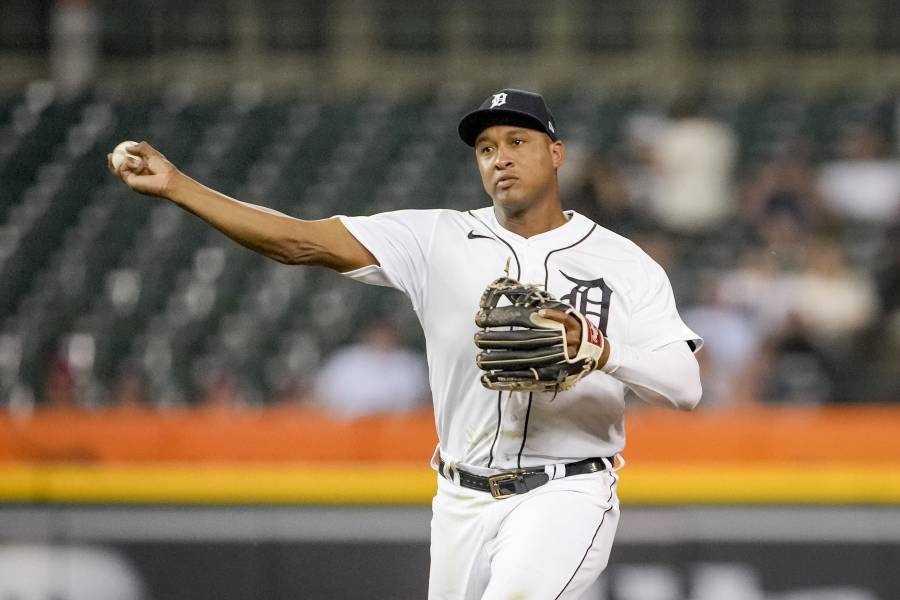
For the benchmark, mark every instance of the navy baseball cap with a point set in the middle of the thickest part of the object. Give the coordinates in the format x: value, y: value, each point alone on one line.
x: 509, y: 107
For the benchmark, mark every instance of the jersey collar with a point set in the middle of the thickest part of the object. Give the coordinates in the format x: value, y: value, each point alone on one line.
x: 574, y: 228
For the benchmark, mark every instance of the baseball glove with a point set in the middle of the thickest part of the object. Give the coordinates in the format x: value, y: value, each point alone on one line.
x: 520, y: 350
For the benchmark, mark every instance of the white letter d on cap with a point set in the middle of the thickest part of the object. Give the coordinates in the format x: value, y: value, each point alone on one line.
x: 498, y: 100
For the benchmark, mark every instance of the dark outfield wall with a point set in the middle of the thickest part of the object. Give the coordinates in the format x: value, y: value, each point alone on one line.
x: 399, y: 571
x: 311, y: 554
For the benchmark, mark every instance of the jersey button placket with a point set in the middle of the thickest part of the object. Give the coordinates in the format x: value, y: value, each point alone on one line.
x: 531, y: 272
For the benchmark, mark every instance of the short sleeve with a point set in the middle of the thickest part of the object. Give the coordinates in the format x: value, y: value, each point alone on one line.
x: 655, y: 321
x: 400, y: 241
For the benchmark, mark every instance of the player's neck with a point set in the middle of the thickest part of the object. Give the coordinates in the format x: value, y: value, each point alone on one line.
x: 532, y: 220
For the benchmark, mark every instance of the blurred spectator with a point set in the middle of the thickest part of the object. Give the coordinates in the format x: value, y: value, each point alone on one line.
x: 601, y: 193
x: 888, y: 275
x: 795, y: 370
x: 15, y: 395
x: 865, y: 184
x: 373, y: 376
x: 221, y: 391
x: 129, y: 388
x: 880, y: 352
x: 75, y: 49
x: 830, y: 299
x: 60, y: 390
x: 694, y: 159
x: 731, y: 341
x: 660, y: 246
x: 882, y: 362
x: 781, y: 195
x: 757, y: 288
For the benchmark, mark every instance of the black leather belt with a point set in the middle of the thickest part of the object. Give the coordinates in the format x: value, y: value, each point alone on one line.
x: 519, y: 481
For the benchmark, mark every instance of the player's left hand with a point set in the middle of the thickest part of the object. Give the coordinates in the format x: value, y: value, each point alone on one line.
x: 573, y: 327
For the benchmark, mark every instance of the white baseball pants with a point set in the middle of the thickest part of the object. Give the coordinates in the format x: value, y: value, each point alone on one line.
x: 550, y: 543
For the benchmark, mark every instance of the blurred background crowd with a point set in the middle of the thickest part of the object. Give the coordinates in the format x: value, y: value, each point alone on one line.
x: 766, y: 183
x: 785, y: 259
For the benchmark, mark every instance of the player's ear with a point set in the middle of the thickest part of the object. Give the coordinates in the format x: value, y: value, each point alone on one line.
x: 557, y: 153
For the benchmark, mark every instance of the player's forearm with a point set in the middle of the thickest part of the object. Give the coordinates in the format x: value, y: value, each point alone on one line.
x: 668, y: 377
x: 263, y: 230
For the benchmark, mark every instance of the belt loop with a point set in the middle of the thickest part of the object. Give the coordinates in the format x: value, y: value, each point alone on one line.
x: 621, y: 461
x: 555, y: 471
x: 450, y: 472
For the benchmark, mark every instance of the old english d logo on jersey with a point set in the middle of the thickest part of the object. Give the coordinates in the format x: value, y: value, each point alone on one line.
x: 581, y: 299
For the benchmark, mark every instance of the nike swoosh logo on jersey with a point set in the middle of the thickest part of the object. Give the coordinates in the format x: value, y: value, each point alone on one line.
x: 472, y: 235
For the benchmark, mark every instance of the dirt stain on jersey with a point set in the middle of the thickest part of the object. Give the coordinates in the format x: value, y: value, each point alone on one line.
x: 474, y: 438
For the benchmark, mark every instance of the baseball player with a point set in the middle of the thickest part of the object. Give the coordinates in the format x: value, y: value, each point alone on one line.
x: 566, y: 317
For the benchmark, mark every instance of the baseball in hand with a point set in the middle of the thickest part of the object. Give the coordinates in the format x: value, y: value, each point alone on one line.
x: 119, y: 154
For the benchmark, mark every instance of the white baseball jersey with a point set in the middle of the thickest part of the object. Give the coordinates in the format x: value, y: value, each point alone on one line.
x: 443, y: 259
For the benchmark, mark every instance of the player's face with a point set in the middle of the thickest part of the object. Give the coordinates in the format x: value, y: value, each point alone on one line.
x: 517, y: 165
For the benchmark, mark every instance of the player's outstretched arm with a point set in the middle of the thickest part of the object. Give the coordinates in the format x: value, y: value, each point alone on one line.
x: 273, y: 234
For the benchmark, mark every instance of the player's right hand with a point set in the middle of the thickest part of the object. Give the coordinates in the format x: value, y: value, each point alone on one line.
x: 150, y: 173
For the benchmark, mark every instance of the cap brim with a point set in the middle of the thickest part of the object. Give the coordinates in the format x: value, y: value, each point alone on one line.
x: 477, y: 121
